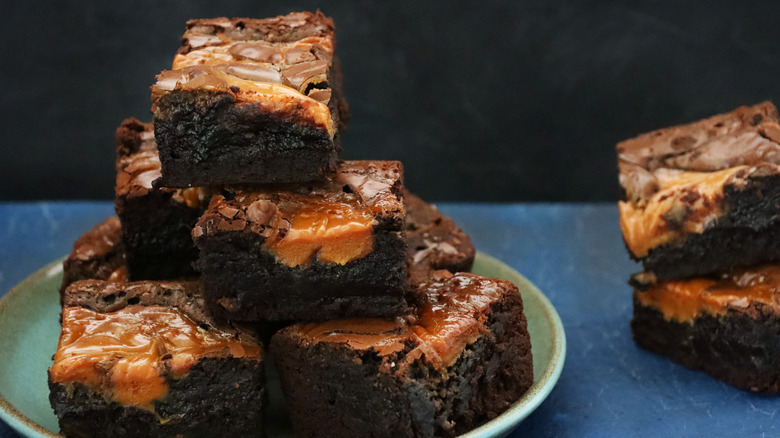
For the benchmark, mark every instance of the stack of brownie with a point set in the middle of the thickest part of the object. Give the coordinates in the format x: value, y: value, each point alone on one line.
x: 702, y: 214
x: 235, y: 211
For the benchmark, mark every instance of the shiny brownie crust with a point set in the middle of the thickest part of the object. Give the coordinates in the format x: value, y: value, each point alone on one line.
x: 434, y: 241
x: 96, y: 255
x: 335, y: 390
x: 739, y: 348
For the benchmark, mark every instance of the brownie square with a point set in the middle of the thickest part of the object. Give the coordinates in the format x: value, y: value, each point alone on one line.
x: 725, y: 325
x: 463, y: 360
x: 96, y: 255
x: 251, y: 101
x: 704, y: 197
x: 156, y: 221
x: 144, y: 359
x: 433, y: 241
x: 318, y: 251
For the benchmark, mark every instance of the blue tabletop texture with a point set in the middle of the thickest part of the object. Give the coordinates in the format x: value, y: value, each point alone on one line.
x: 575, y: 255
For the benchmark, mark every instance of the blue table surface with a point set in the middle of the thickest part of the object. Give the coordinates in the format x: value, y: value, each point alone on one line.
x: 575, y: 255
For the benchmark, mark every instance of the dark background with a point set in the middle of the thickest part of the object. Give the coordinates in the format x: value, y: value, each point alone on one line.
x: 482, y: 101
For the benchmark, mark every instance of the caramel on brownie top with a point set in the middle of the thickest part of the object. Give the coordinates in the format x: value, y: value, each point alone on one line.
x: 125, y: 355
x: 279, y: 63
x: 675, y: 179
x: 335, y: 219
x: 452, y: 314
x: 743, y: 291
x: 747, y: 136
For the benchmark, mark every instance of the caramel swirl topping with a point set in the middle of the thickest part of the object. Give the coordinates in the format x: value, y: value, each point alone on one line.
x: 126, y: 355
x: 451, y: 316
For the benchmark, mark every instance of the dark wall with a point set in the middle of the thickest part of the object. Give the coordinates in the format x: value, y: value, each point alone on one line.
x: 488, y: 101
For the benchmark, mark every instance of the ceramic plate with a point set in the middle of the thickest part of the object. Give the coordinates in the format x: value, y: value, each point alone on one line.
x: 29, y: 330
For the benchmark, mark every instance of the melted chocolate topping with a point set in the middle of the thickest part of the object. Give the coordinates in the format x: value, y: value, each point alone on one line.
x: 747, y: 136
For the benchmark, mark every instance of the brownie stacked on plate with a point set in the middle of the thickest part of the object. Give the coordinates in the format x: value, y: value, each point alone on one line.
x: 234, y: 210
x: 702, y: 214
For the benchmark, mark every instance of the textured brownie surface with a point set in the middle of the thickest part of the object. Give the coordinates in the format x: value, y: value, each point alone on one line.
x: 737, y: 348
x: 207, y: 387
x: 156, y: 222
x: 249, y: 271
x: 96, y: 255
x: 462, y: 360
x: 703, y: 197
x: 251, y: 101
x: 433, y: 241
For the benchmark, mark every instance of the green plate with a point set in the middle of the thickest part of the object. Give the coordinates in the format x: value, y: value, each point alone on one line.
x: 29, y: 330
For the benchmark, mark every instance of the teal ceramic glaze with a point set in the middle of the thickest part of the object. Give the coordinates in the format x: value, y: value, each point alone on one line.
x: 29, y: 329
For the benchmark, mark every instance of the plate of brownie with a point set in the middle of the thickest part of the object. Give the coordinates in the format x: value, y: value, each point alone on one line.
x: 29, y: 330
x: 253, y: 283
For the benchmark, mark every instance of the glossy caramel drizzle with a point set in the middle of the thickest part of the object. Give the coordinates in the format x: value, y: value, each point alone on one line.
x: 451, y: 318
x: 685, y: 300
x: 690, y: 199
x: 124, y: 355
x: 333, y: 231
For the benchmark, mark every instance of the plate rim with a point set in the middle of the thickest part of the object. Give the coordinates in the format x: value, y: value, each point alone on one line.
x: 499, y: 426
x: 8, y: 412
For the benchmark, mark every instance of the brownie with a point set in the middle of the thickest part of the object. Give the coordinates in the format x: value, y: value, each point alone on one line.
x: 156, y: 221
x: 96, y: 255
x: 433, y: 241
x: 704, y: 197
x: 144, y: 359
x: 251, y: 101
x: 726, y: 325
x: 307, y: 252
x: 463, y: 359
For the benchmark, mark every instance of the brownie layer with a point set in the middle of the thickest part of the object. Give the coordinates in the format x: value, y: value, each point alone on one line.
x: 434, y: 241
x: 217, y: 398
x: 251, y: 101
x: 740, y: 348
x: 96, y: 255
x: 319, y: 251
x: 194, y: 377
x: 156, y: 222
x: 243, y: 281
x: 378, y: 378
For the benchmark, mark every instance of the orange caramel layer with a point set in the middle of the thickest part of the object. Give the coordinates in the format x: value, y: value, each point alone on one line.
x: 125, y: 354
x: 335, y: 231
x: 685, y: 204
x: 270, y: 97
x: 685, y: 300
x: 451, y: 317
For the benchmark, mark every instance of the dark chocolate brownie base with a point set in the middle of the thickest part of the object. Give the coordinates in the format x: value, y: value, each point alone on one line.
x: 334, y: 390
x: 742, y: 349
x: 156, y: 232
x: 96, y: 255
x: 217, y: 398
x: 746, y: 235
x: 156, y: 222
x: 235, y: 269
x: 206, y: 138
